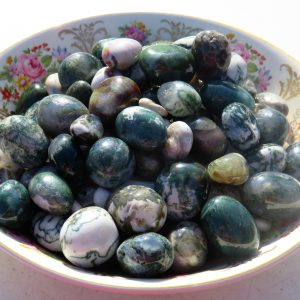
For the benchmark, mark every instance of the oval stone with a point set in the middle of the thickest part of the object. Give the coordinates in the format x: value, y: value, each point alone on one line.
x: 273, y: 196
x: 229, y: 227
x: 53, y: 85
x: 166, y: 62
x: 293, y: 160
x: 141, y: 128
x: 102, y: 74
x: 237, y: 69
x: 98, y: 47
x: 80, y: 90
x: 148, y: 103
x: 273, y: 100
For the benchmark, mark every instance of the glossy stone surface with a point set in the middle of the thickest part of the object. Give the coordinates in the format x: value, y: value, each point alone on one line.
x: 148, y: 103
x: 273, y: 196
x: 23, y: 142
x: 81, y: 90
x: 179, y: 98
x: 212, y: 54
x: 15, y: 205
x: 240, y: 126
x: 53, y: 85
x: 273, y: 126
x: 102, y: 74
x: 166, y: 62
x: 141, y: 128
x: 78, y: 66
x: 217, y: 94
x: 46, y: 229
x: 35, y: 92
x: 237, y: 69
x: 113, y: 95
x: 185, y: 42
x: 184, y: 187
x: 267, y: 157
x: 190, y: 247
x: 89, y: 237
x: 231, y: 168
x: 32, y: 112
x: 146, y: 255
x: 179, y: 141
x: 110, y: 162
x: 87, y: 129
x: 293, y: 160
x: 229, y: 227
x: 137, y: 209
x: 98, y: 47
x: 51, y: 193
x: 57, y: 112
x: 274, y: 101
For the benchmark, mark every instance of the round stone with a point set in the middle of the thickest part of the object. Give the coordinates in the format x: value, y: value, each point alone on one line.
x: 102, y: 74
x: 293, y: 160
x: 80, y: 90
x: 53, y: 85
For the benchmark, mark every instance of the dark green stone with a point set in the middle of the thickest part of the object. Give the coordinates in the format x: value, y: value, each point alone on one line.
x: 217, y: 94
x: 293, y: 160
x: 78, y: 66
x: 146, y: 255
x: 32, y: 112
x: 51, y: 193
x: 273, y: 196
x: 184, y: 187
x: 141, y: 128
x: 57, y: 112
x: 110, y: 162
x: 34, y: 93
x: 16, y: 208
x: 81, y: 90
x: 162, y: 63
x: 229, y: 227
x: 98, y: 47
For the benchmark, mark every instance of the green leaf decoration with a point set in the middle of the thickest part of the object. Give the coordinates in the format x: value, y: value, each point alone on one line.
x: 251, y: 67
x: 46, y: 60
x: 26, y: 51
x: 4, y: 76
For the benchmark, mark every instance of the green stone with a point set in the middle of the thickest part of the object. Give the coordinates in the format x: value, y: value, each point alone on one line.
x: 293, y: 160
x: 229, y: 227
x: 98, y: 47
x: 81, y: 90
x: 32, y: 112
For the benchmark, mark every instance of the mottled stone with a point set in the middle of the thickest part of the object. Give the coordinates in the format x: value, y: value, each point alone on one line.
x: 98, y: 47
x: 185, y: 42
x: 102, y: 74
x: 81, y: 90
x: 293, y: 160
x: 148, y: 103
x: 146, y: 255
x: 89, y: 237
x: 237, y: 69
x: 274, y: 101
x: 53, y: 85
x: 32, y: 112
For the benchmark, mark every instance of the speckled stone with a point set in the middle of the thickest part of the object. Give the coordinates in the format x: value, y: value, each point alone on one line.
x: 51, y: 193
x: 293, y: 160
x: 185, y: 42
x: 137, y: 209
x: 141, y: 128
x: 240, y: 126
x: 190, y: 247
x: 146, y: 255
x: 57, y: 112
x: 46, y: 229
x: 110, y: 162
x: 89, y: 237
x: 229, y: 227
x: 16, y: 208
x: 53, y: 85
x: 23, y: 142
x: 102, y: 74
x: 237, y: 69
x: 273, y: 196
x: 274, y: 101
x: 81, y: 90
x: 184, y: 187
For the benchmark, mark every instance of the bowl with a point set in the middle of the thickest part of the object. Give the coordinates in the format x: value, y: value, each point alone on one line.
x: 32, y: 59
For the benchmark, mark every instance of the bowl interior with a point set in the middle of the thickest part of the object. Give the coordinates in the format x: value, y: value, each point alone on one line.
x: 33, y: 59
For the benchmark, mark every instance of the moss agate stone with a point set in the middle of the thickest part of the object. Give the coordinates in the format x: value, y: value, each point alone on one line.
x: 293, y: 160
x: 273, y: 196
x: 237, y: 69
x: 81, y: 90
x: 229, y: 227
x: 146, y: 255
x: 98, y: 47
x: 141, y: 128
x: 51, y: 193
x: 110, y: 162
x: 32, y: 112
x: 137, y: 209
x: 23, y: 142
x: 16, y: 208
x: 89, y: 237
x: 184, y: 187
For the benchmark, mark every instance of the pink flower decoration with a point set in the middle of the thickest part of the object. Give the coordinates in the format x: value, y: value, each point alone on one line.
x: 31, y: 66
x: 264, y: 77
x: 135, y: 33
x: 240, y: 49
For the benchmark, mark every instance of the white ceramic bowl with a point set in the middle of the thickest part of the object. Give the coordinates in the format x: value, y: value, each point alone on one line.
x: 32, y: 59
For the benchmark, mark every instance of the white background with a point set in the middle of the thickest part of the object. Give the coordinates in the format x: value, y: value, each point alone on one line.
x: 275, y: 21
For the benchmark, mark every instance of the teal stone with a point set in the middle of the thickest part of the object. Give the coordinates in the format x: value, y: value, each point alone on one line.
x: 32, y: 112
x: 78, y: 66
x: 81, y: 90
x: 240, y: 126
x: 110, y: 162
x: 217, y: 94
x: 51, y: 193
x: 190, y: 247
x: 293, y: 160
x: 23, y: 142
x: 166, y: 62
x: 184, y: 188
x: 185, y: 42
x: 57, y: 112
x: 141, y: 128
x: 273, y: 126
x: 16, y: 208
x: 267, y: 157
x: 146, y: 255
x: 98, y: 47
x: 272, y: 196
x: 229, y: 227
x: 179, y: 98
x: 36, y: 92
